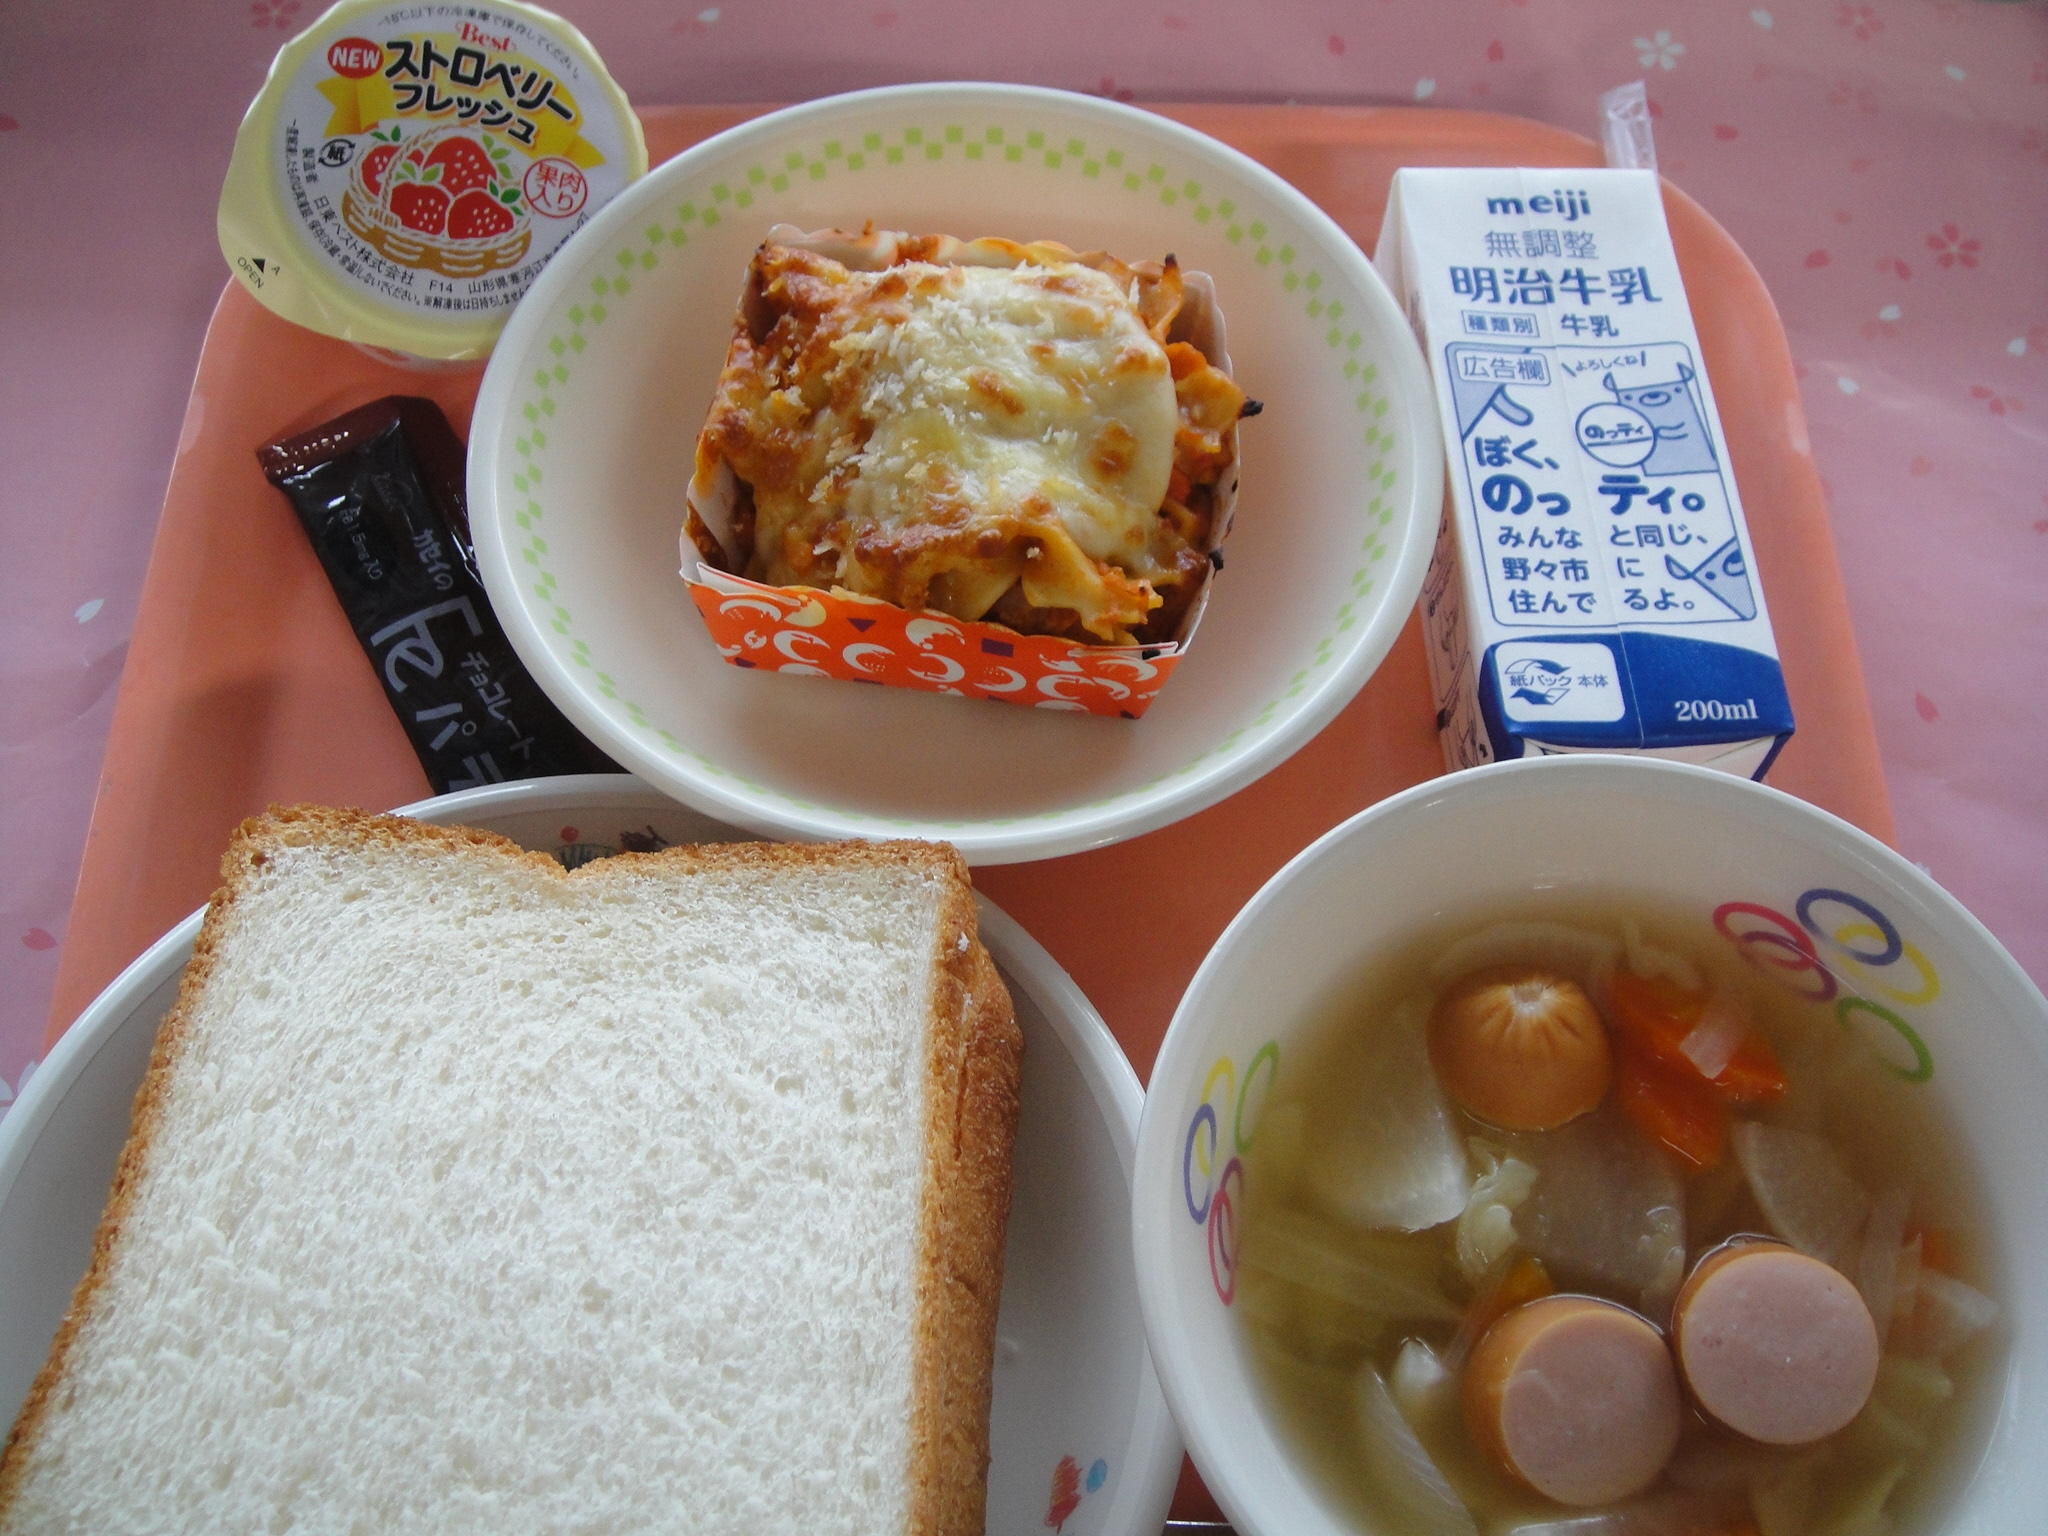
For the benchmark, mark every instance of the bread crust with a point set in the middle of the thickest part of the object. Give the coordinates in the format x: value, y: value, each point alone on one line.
x: 973, y: 1074
x: 973, y: 1063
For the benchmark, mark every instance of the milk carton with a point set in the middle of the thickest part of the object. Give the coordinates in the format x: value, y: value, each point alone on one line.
x: 1593, y: 588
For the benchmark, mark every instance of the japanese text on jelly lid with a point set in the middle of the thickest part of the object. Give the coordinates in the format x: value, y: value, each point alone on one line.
x: 408, y: 169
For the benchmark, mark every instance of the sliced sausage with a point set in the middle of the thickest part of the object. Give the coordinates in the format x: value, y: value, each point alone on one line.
x: 1575, y: 1397
x: 1774, y: 1344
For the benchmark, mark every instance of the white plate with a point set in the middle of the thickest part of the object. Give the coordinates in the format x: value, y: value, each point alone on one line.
x: 581, y: 447
x: 1073, y: 1376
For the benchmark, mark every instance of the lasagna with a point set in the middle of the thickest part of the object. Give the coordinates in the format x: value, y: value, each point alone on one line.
x: 989, y: 430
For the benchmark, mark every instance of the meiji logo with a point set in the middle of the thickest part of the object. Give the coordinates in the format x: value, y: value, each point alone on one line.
x: 1538, y: 680
x: 1568, y: 205
x: 471, y: 33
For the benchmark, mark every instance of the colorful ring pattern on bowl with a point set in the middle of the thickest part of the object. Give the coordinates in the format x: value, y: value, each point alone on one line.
x: 1787, y: 948
x: 1222, y: 1190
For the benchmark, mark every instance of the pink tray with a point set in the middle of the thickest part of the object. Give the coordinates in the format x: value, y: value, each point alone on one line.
x: 244, y: 684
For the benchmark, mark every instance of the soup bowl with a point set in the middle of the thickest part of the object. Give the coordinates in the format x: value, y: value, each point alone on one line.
x: 1874, y: 946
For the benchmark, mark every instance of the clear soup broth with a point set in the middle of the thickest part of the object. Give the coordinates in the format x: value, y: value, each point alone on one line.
x: 1388, y: 1228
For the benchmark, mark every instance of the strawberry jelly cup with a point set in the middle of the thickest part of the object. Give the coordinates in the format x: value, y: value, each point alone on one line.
x: 408, y: 169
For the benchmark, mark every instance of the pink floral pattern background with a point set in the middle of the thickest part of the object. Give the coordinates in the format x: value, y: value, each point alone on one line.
x: 1884, y: 165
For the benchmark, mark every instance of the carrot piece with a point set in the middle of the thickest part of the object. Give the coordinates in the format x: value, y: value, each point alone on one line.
x: 1657, y: 1016
x: 1655, y: 1013
x: 1524, y: 1280
x: 1677, y: 1110
x: 1752, y: 1075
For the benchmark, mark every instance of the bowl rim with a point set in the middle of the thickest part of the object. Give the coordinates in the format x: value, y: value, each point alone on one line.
x: 1219, y: 1460
x: 986, y: 839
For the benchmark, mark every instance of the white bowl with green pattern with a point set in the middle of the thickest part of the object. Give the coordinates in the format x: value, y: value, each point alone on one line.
x: 581, y: 447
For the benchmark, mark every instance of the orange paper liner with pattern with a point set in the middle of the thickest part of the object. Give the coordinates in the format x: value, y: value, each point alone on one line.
x: 812, y: 633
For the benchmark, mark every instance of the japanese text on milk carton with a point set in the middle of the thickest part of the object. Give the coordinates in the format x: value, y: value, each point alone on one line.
x: 1593, y: 586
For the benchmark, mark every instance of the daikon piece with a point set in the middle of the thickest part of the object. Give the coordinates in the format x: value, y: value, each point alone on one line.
x: 1425, y: 1388
x: 1805, y: 1192
x: 1399, y: 1469
x: 1711, y: 1197
x: 1876, y: 1271
x: 1606, y: 1212
x: 1396, y: 1161
x: 1666, y: 1236
x: 1421, y: 1384
x: 1948, y: 1314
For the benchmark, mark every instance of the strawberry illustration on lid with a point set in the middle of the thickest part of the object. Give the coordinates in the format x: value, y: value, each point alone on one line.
x: 408, y: 169
x: 446, y: 200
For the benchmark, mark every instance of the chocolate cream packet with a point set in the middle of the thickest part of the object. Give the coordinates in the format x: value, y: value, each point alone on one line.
x: 380, y: 492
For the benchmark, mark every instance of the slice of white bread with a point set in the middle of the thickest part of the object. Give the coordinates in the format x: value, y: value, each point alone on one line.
x: 466, y: 1194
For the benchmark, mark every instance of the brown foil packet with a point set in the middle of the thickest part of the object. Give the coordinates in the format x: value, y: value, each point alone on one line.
x: 380, y: 493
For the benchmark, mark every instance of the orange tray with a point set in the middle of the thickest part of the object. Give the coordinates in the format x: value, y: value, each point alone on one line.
x: 245, y: 685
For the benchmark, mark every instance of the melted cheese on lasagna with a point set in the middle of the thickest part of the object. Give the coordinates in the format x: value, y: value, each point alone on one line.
x: 1010, y: 440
